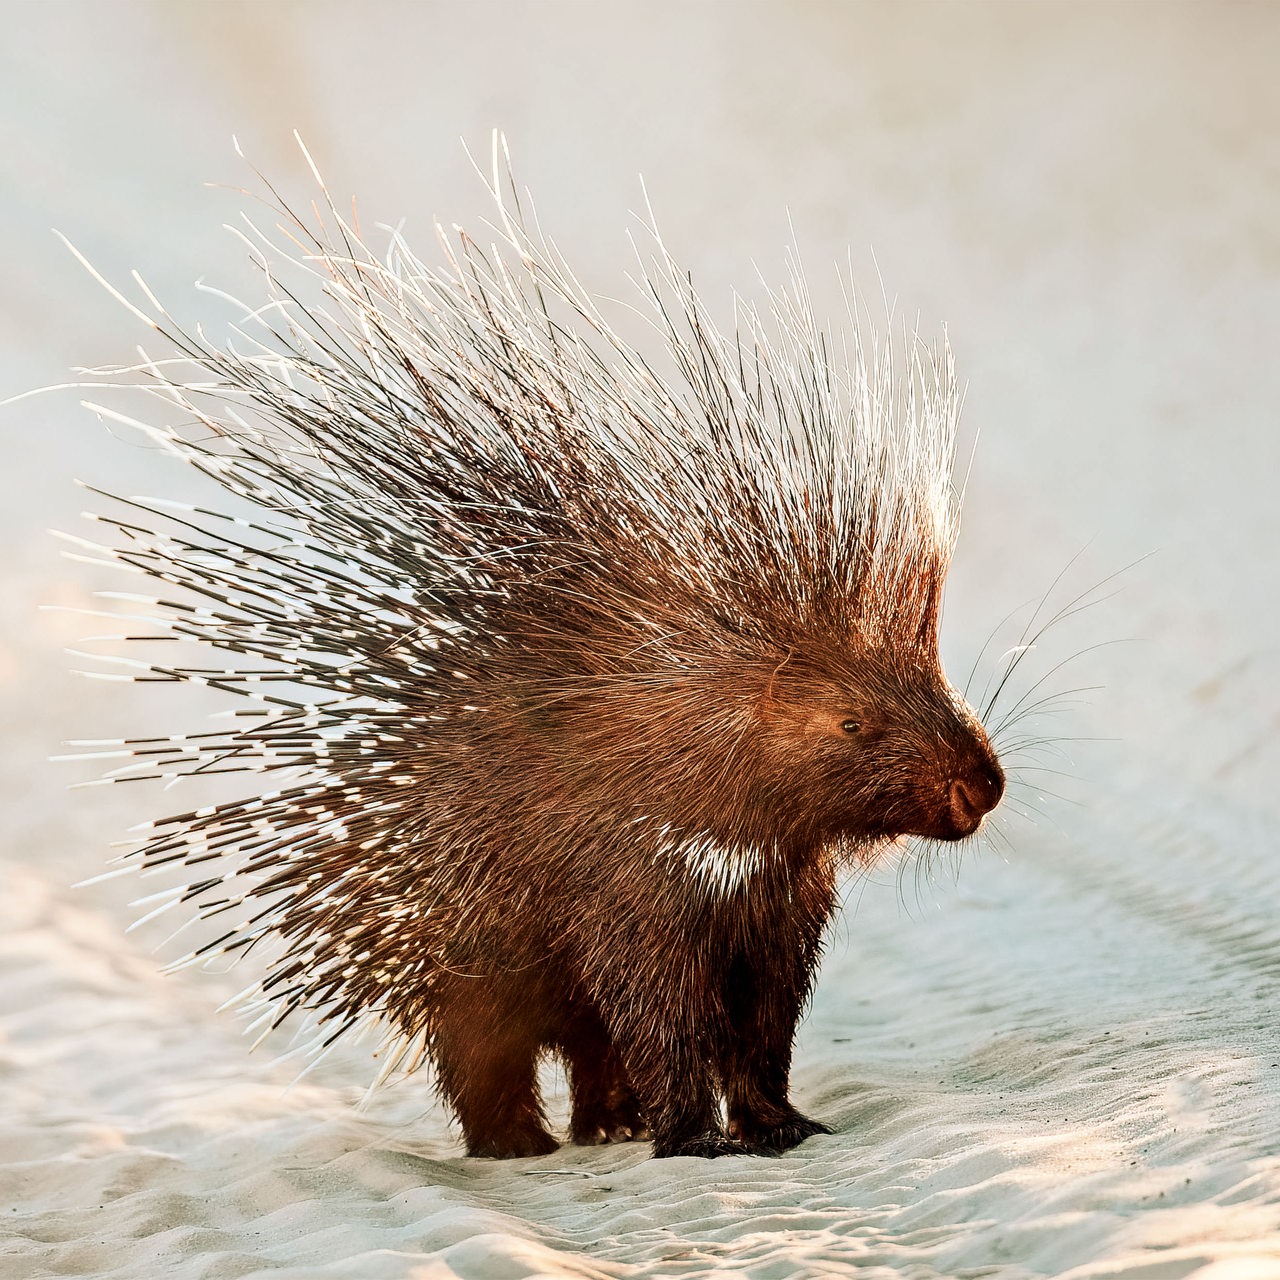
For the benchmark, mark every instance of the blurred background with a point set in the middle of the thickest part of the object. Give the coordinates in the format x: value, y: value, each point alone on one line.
x: 1085, y: 194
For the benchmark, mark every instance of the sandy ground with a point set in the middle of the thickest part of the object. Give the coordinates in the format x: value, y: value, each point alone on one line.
x: 1062, y: 1060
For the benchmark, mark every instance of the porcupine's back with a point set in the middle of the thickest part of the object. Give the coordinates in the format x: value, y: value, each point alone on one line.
x: 512, y: 597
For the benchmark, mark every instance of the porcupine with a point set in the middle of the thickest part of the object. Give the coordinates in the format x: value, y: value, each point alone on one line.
x: 586, y: 675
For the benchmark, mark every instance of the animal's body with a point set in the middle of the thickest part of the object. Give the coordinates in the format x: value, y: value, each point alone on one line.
x: 615, y: 668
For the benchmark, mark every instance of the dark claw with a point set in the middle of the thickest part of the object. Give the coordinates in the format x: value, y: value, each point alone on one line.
x: 708, y: 1146
x: 772, y: 1139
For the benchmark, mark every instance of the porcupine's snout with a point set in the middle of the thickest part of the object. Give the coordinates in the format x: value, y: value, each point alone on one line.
x: 973, y: 794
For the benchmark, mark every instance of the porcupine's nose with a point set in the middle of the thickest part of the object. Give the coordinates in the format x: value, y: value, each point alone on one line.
x: 974, y: 795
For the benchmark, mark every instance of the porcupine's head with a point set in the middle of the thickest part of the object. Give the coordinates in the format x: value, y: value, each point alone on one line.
x: 878, y: 745
x: 852, y: 742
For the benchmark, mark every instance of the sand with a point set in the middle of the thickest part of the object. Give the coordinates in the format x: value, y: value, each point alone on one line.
x: 1057, y: 1056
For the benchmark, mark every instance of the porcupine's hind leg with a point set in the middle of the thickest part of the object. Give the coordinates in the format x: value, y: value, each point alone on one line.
x: 488, y: 1034
x: 764, y: 993
x: 604, y: 1107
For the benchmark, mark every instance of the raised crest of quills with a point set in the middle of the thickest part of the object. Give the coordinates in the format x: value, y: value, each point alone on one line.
x: 575, y: 673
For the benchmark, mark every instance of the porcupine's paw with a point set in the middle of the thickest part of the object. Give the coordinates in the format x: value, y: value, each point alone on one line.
x: 515, y: 1144
x: 707, y: 1146
x: 772, y: 1139
x: 618, y: 1121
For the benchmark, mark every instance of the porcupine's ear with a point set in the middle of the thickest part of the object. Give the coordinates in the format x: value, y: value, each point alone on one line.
x: 769, y: 699
x: 797, y: 694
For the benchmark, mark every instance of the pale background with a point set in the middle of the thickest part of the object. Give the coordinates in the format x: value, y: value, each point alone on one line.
x: 1063, y: 1063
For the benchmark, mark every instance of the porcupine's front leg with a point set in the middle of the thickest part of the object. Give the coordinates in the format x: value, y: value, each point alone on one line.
x: 763, y: 1001
x: 673, y: 1082
x: 604, y: 1106
x: 664, y: 1036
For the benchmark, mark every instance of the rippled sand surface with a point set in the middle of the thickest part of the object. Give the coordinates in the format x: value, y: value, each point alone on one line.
x: 1063, y: 1059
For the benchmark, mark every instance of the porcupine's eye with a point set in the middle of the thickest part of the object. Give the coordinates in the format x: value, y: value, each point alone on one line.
x: 851, y: 726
